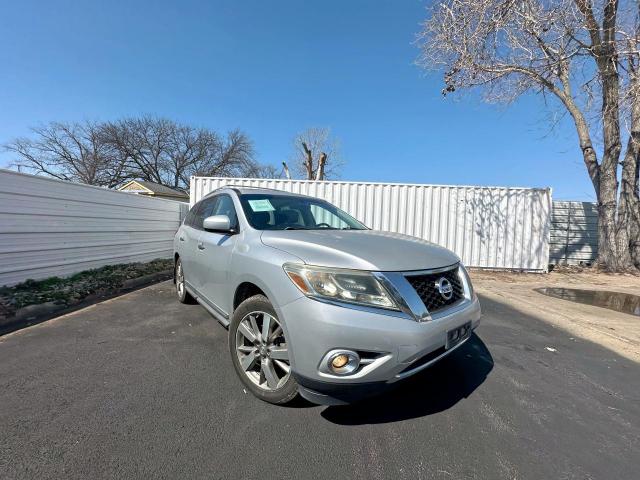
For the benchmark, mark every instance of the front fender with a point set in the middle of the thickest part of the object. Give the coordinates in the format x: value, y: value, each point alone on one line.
x: 262, y: 266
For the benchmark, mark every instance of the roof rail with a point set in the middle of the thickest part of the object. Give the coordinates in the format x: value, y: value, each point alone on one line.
x: 236, y: 188
x: 250, y: 186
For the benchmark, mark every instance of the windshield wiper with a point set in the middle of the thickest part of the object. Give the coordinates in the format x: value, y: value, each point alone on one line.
x: 296, y: 228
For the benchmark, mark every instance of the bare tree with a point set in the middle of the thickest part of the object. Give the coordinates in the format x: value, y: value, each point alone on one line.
x: 316, y: 154
x: 166, y: 152
x: 269, y: 171
x: 582, y: 53
x: 69, y: 151
x: 236, y: 157
x: 145, y: 144
x: 147, y: 148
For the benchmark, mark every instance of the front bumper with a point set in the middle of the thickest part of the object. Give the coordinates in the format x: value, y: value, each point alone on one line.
x: 394, y: 340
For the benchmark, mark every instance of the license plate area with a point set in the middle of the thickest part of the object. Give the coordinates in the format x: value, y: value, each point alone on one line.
x: 457, y: 335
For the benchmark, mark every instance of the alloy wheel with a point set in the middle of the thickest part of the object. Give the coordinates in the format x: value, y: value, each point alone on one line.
x: 262, y: 350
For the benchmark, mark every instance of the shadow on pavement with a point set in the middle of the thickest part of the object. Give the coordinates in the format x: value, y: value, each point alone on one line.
x: 437, y: 388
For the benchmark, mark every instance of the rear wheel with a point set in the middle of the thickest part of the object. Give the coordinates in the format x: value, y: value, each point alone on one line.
x: 260, y: 352
x: 181, y: 289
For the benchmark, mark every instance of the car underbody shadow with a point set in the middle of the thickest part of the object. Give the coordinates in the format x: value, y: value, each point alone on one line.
x: 436, y: 389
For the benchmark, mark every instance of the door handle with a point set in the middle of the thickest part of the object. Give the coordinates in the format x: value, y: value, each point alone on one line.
x: 200, y: 246
x: 182, y: 239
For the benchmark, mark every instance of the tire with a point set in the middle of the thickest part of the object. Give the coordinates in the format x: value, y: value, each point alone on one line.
x: 181, y: 289
x: 263, y: 366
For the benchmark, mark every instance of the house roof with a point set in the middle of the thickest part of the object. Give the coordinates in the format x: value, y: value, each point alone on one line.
x: 151, y: 188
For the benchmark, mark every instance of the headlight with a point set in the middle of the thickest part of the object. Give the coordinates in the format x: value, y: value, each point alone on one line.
x: 466, y: 280
x: 350, y: 286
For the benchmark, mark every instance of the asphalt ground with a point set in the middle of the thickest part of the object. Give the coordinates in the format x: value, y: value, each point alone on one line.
x: 142, y: 386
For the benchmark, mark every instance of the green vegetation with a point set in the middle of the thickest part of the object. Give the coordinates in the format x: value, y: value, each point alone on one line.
x: 72, y: 290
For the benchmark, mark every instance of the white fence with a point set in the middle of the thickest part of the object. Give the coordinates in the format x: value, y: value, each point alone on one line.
x: 489, y: 227
x: 53, y: 228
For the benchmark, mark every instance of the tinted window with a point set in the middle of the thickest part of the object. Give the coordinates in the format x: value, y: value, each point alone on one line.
x: 284, y: 212
x: 189, y: 218
x: 205, y: 209
x: 224, y: 206
x: 218, y: 205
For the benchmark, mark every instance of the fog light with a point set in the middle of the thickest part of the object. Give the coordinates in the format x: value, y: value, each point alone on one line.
x: 343, y: 362
x: 340, y: 361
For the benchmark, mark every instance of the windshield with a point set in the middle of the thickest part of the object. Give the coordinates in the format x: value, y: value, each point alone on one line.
x: 283, y: 212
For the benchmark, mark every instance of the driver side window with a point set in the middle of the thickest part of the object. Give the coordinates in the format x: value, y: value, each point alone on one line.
x: 206, y: 208
x: 225, y: 206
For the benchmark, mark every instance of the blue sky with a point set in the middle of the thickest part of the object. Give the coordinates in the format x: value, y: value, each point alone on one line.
x: 274, y: 68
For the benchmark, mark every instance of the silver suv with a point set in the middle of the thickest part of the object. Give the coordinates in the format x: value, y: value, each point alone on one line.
x: 316, y: 303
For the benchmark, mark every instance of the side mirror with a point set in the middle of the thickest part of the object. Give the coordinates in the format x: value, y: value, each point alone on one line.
x: 218, y: 223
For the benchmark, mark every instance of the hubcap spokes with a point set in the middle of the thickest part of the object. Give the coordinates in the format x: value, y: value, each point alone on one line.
x: 262, y: 350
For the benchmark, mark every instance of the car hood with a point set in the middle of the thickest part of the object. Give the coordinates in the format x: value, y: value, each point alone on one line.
x: 360, y: 249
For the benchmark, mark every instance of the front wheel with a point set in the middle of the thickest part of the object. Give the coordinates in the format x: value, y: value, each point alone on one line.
x: 260, y: 352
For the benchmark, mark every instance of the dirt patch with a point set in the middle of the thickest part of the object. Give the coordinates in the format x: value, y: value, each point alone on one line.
x: 617, y: 331
x: 33, y: 301
x: 564, y: 276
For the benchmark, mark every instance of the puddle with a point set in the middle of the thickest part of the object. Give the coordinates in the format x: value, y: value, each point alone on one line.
x: 620, y: 302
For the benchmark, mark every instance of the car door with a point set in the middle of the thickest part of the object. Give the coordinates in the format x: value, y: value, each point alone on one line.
x: 188, y: 238
x: 215, y: 251
x: 198, y: 264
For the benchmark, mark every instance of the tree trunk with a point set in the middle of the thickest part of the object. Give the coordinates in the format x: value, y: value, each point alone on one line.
x: 604, y: 184
x: 635, y: 228
x: 610, y: 256
x: 321, y: 162
x: 613, y: 242
x: 613, y: 245
x: 633, y: 206
x: 633, y: 210
x: 309, y: 161
x: 287, y: 174
x: 629, y: 203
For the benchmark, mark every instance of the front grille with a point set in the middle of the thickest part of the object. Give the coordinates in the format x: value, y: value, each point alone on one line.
x: 427, y: 290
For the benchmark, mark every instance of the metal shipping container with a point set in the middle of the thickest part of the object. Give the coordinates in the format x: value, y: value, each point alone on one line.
x: 574, y: 233
x: 488, y: 227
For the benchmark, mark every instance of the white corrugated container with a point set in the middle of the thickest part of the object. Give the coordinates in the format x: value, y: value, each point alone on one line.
x: 51, y: 227
x: 488, y: 227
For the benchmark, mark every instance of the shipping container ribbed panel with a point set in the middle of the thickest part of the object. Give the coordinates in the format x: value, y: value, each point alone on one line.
x: 50, y: 227
x: 488, y: 227
x: 574, y: 233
